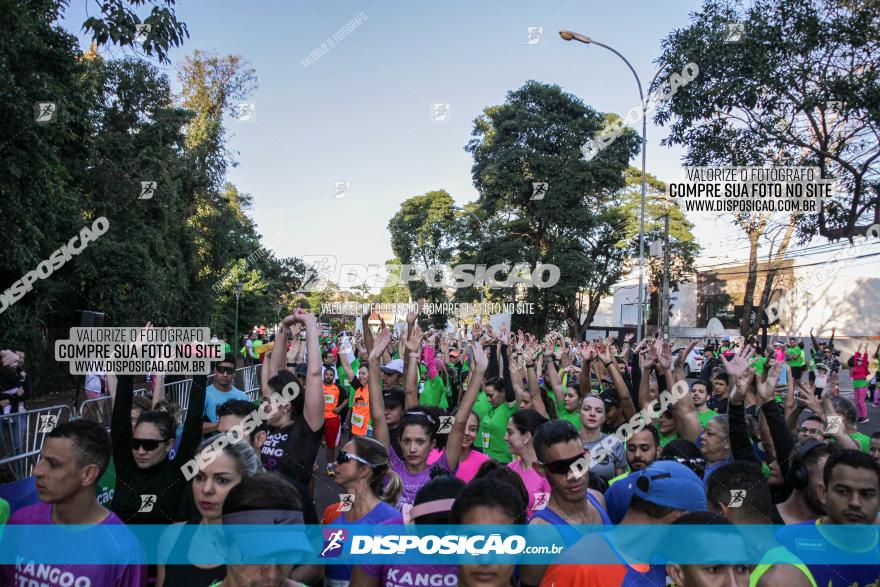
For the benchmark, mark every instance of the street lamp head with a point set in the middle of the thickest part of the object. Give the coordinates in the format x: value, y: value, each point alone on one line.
x: 237, y: 289
x: 572, y: 36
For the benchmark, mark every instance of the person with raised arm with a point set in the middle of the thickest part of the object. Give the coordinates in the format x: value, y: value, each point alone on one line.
x: 149, y: 485
x: 295, y: 429
x: 417, y: 434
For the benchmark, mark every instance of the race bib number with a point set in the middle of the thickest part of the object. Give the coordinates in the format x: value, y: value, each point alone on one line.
x: 329, y: 399
x: 486, y: 439
x: 821, y: 379
x: 405, y: 509
x: 357, y: 420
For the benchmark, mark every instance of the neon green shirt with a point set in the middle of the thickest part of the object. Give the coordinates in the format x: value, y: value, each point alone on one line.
x: 794, y: 356
x: 493, y: 427
x: 574, y: 416
x: 863, y: 440
x: 704, y: 417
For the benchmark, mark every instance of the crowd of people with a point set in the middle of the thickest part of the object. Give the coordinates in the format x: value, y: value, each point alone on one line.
x: 483, y: 426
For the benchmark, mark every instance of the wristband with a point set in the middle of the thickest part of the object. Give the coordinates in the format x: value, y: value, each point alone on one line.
x: 606, y: 364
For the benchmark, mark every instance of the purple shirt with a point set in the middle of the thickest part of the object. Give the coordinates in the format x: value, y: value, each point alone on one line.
x: 26, y: 573
x: 409, y: 575
x: 412, y: 482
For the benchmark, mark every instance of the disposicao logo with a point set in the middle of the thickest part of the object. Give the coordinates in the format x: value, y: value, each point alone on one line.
x: 334, y: 542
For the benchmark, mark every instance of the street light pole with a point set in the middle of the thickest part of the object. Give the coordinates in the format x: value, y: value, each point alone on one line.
x: 480, y: 222
x: 236, y: 289
x: 572, y: 36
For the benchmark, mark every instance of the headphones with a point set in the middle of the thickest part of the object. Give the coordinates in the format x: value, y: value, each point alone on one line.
x: 798, y: 477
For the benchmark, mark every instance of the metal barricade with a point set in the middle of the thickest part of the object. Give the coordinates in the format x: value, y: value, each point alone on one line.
x: 179, y: 392
x: 22, y: 436
x: 247, y: 379
x: 100, y: 409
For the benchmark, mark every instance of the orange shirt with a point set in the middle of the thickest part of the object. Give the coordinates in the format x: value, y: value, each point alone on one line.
x: 360, y: 412
x: 331, y: 400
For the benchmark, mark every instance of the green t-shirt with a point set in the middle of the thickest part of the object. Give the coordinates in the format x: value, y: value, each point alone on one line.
x: 574, y: 416
x: 704, y: 417
x: 4, y: 511
x: 794, y: 356
x: 107, y: 485
x: 863, y: 440
x: 433, y: 393
x: 664, y: 440
x: 493, y: 427
x: 759, y: 364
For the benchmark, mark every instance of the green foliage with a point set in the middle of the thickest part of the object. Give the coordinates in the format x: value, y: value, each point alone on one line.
x: 423, y: 234
x: 171, y: 259
x: 536, y: 136
x: 801, y: 88
x: 118, y: 24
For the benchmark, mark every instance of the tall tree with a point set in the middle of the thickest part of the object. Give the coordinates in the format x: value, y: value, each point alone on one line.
x: 801, y: 87
x: 536, y: 136
x: 423, y: 235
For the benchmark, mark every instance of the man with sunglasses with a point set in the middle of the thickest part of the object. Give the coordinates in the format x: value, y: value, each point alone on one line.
x: 220, y: 392
x: 662, y: 493
x: 563, y: 461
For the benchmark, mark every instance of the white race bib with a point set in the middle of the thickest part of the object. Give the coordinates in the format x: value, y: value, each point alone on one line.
x: 486, y: 440
x: 357, y: 420
x: 329, y: 399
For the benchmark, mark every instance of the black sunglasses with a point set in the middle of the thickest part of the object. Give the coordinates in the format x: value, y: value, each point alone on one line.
x: 226, y: 370
x: 344, y: 457
x: 149, y: 444
x: 563, y: 466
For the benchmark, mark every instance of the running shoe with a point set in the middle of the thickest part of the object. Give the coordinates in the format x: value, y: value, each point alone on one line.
x: 863, y: 420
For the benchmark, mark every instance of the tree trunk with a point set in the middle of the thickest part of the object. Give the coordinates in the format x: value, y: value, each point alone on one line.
x: 751, y: 280
x: 772, y: 267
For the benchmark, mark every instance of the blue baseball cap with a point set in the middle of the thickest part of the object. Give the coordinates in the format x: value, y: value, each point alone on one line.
x: 671, y: 484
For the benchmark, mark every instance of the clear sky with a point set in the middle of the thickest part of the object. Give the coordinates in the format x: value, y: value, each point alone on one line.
x: 360, y: 113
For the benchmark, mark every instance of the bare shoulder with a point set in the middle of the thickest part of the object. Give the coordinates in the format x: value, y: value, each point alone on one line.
x: 598, y: 495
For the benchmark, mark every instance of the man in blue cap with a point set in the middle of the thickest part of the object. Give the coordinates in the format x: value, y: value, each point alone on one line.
x: 661, y: 493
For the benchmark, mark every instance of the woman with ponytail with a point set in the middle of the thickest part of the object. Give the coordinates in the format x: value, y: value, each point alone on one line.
x: 362, y: 467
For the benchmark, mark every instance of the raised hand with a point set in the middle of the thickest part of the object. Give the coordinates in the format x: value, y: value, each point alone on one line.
x: 380, y: 343
x: 477, y: 331
x: 738, y: 364
x: 682, y: 356
x: 588, y: 352
x: 663, y: 351
x: 414, y: 340
x: 628, y: 337
x: 481, y: 361
x: 504, y: 335
x: 766, y: 387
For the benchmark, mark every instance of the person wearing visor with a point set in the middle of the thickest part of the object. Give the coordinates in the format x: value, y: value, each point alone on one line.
x: 210, y: 487
x: 418, y: 431
x: 258, y: 558
x: 361, y: 471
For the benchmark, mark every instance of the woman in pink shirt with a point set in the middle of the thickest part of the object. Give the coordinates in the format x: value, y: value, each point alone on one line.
x: 470, y: 460
x: 859, y: 374
x: 520, y: 431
